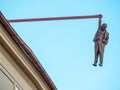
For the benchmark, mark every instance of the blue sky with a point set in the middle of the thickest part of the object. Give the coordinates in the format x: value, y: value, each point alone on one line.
x: 65, y: 48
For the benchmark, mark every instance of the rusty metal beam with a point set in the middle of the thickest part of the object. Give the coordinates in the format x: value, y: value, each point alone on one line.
x: 55, y: 18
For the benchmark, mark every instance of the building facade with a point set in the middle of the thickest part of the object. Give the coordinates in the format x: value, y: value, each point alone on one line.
x: 19, y: 67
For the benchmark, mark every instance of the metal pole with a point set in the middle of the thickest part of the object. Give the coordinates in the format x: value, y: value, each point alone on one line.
x: 55, y: 18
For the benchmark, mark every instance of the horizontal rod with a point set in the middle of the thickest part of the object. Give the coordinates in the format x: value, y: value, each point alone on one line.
x: 55, y: 18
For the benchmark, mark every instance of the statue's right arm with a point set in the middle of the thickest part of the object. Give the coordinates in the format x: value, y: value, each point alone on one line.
x: 99, y: 26
x: 99, y: 23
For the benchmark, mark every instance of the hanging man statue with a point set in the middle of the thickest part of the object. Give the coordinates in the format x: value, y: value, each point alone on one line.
x: 100, y: 40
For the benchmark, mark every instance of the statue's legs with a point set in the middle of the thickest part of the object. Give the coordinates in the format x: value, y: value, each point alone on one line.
x: 96, y: 48
x: 101, y: 50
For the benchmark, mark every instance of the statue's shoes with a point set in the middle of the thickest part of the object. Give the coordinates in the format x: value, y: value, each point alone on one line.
x: 100, y: 65
x: 95, y: 65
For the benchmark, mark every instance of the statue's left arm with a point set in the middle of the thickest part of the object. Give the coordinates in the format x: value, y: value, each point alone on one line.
x: 106, y: 38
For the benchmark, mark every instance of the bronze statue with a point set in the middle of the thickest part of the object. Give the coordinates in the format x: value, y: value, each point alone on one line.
x: 100, y: 40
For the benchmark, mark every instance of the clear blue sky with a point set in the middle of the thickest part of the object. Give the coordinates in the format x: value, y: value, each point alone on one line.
x: 65, y: 48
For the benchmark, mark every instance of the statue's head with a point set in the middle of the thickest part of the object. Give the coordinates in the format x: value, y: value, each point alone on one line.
x: 104, y: 26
